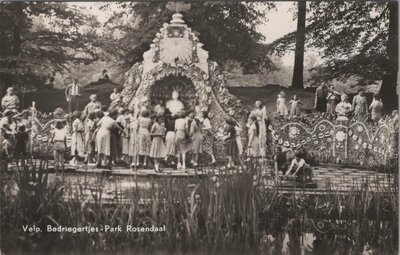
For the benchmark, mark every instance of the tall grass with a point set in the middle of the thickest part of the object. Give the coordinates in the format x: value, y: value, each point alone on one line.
x: 225, y: 214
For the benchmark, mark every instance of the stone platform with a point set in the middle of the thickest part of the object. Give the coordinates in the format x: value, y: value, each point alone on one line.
x: 327, y: 177
x: 117, y: 184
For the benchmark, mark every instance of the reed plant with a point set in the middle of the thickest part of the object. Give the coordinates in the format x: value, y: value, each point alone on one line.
x: 228, y: 213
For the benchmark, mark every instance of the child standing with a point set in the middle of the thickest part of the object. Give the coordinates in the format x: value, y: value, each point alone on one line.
x: 89, y: 138
x: 281, y: 104
x: 77, y: 144
x: 133, y: 127
x: 157, y: 150
x: 197, y: 140
x: 22, y: 139
x: 5, y: 151
x: 231, y: 147
x: 59, y: 140
x: 294, y: 106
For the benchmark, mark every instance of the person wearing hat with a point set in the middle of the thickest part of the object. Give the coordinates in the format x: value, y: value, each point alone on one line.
x: 299, y: 168
x: 72, y: 94
x: 10, y: 101
x: 59, y: 113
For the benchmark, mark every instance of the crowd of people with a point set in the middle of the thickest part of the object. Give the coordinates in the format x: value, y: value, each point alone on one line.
x: 326, y: 102
x: 117, y: 136
x: 106, y: 136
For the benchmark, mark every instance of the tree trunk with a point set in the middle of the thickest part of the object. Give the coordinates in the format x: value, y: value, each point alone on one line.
x: 389, y: 81
x: 16, y: 29
x: 16, y: 40
x: 297, y: 81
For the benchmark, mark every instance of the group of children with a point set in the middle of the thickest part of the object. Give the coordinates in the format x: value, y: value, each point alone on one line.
x: 294, y: 104
x: 14, y: 136
x: 119, y: 137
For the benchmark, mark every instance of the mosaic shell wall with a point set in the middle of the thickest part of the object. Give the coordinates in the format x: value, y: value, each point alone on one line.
x: 355, y: 143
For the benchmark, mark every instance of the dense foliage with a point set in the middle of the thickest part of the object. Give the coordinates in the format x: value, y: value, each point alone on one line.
x: 38, y: 39
x: 227, y: 30
x: 351, y: 36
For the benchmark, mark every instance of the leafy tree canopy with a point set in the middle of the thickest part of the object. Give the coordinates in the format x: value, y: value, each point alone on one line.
x: 38, y: 39
x: 227, y: 30
x: 351, y: 37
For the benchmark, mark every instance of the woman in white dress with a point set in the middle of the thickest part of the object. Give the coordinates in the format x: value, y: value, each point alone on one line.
x: 182, y: 145
x: 103, y: 139
x: 254, y: 142
x: 157, y: 150
x: 260, y: 112
x: 77, y: 139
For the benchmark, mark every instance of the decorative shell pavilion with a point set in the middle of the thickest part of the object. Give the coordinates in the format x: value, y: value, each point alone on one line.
x: 177, y: 61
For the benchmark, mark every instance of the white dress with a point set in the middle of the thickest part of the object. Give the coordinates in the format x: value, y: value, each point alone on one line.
x: 281, y: 106
x: 103, y: 138
x: 254, y: 151
x: 77, y: 139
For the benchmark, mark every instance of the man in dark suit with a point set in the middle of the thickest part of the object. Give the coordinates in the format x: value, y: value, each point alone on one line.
x: 72, y: 94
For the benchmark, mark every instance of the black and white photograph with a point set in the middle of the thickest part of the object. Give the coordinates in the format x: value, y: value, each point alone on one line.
x: 199, y: 128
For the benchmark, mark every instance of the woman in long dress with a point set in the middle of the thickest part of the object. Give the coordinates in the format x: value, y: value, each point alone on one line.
x: 254, y: 142
x: 182, y: 144
x: 157, y: 150
x: 170, y: 136
x: 208, y: 137
x: 376, y: 108
x: 103, y: 139
x: 320, y: 98
x: 133, y: 129
x: 144, y: 139
x: 260, y: 112
x: 77, y: 139
x: 197, y: 140
x: 360, y: 106
x: 331, y: 103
